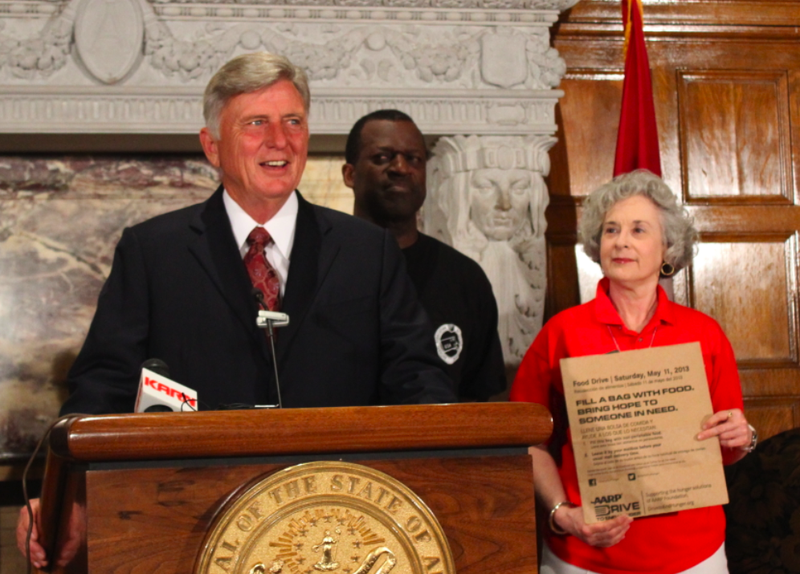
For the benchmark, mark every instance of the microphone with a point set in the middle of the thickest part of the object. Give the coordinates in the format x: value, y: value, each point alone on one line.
x: 270, y: 320
x: 157, y: 366
x: 275, y: 318
x: 160, y: 394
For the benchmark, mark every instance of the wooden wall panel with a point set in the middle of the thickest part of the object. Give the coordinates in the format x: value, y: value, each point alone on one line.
x: 742, y: 13
x: 726, y: 82
x: 773, y: 415
x: 590, y: 111
x: 734, y: 135
x: 744, y: 285
x: 794, y: 122
x: 562, y: 265
x: 153, y: 520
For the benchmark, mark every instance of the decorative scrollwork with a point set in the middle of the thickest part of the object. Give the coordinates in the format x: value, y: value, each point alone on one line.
x: 42, y: 54
x: 400, y: 55
x: 186, y: 59
x: 485, y: 4
x: 444, y: 63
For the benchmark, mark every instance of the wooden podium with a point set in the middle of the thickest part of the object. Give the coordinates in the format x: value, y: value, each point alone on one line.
x: 138, y: 493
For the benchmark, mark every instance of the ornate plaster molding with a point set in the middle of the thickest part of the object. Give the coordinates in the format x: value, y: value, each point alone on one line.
x: 133, y: 66
x: 50, y: 109
x: 540, y: 5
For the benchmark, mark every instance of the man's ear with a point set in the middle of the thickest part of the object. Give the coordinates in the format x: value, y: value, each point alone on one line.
x: 210, y: 147
x: 348, y: 174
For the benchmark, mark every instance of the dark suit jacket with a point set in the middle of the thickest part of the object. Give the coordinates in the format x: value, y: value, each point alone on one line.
x: 179, y: 291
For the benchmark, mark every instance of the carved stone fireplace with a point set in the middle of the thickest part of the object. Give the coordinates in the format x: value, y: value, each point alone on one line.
x: 478, y: 76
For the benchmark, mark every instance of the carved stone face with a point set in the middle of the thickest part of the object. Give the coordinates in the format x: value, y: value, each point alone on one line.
x: 500, y: 201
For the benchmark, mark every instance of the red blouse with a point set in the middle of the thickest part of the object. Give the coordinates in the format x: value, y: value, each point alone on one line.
x: 663, y: 544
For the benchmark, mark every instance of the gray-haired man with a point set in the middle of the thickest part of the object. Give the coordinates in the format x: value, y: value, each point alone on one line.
x: 180, y: 291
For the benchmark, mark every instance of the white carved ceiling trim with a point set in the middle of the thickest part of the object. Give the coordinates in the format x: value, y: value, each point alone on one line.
x: 133, y: 66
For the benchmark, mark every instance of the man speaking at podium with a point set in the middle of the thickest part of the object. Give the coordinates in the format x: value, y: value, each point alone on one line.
x: 182, y: 285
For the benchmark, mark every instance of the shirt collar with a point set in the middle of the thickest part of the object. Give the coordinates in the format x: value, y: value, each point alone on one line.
x: 606, y: 313
x: 281, y: 227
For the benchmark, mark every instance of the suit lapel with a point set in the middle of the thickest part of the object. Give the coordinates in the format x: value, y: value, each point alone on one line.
x: 310, y: 261
x: 216, y: 250
x: 311, y: 258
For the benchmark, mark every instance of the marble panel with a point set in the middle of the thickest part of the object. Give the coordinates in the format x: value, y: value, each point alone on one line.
x: 60, y: 219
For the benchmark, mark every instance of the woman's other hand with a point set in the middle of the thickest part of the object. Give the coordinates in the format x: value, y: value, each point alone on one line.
x: 600, y: 534
x: 733, y: 431
x: 730, y: 426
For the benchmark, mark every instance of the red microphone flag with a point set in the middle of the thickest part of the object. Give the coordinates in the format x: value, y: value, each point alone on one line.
x: 637, y: 140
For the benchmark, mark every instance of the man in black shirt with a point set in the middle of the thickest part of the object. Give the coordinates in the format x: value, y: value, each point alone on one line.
x: 386, y: 159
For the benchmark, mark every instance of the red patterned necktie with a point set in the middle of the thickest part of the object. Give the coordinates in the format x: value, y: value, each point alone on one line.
x: 262, y: 274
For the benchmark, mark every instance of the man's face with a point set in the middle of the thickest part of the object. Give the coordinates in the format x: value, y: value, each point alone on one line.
x: 263, y: 144
x: 499, y: 201
x: 388, y: 179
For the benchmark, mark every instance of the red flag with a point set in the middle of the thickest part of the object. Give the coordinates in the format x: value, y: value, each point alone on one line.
x: 637, y: 140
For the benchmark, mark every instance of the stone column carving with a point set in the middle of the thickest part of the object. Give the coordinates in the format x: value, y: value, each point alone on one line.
x: 486, y: 198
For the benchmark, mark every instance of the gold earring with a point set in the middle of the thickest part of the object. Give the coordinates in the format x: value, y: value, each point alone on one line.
x: 667, y: 269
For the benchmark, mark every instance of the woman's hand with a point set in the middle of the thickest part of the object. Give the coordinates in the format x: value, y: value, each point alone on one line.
x: 733, y: 431
x: 600, y: 534
x: 730, y: 426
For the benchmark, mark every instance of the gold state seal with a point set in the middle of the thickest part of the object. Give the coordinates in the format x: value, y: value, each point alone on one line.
x: 323, y: 517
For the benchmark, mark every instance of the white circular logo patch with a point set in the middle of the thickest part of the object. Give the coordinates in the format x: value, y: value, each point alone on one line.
x: 449, y: 342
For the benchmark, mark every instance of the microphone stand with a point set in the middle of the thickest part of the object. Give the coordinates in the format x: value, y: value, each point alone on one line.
x: 270, y: 320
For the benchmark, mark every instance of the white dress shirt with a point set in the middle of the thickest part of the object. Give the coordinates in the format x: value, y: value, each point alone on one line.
x: 281, y: 228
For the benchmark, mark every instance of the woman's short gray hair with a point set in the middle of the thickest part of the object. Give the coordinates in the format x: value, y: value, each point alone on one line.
x: 680, y: 234
x: 249, y: 73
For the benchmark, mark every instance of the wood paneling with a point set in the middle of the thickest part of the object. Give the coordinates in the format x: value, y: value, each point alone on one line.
x: 151, y: 485
x: 297, y: 431
x: 696, y: 16
x: 156, y: 519
x: 726, y: 82
x: 732, y: 17
x: 734, y: 135
x: 744, y: 285
x: 590, y: 111
x: 561, y: 263
x: 773, y: 415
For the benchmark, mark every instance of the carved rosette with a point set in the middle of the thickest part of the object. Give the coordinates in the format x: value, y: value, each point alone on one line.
x: 487, y: 198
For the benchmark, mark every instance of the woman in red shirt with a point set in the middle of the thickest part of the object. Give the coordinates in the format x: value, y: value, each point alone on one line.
x: 635, y: 229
